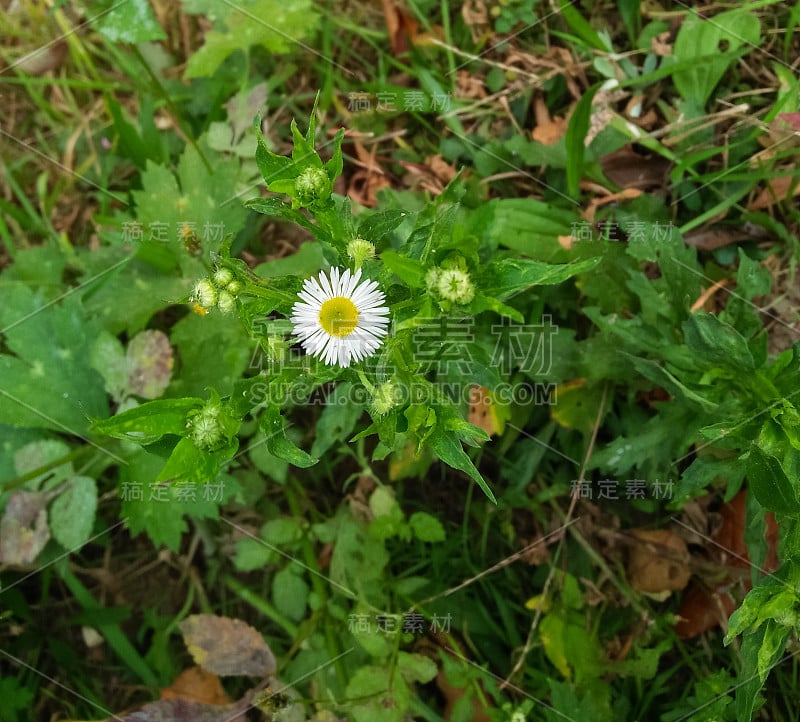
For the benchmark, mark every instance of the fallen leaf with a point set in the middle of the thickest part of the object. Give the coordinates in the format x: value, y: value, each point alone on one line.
x: 182, y: 710
x: 702, y: 609
x: 628, y: 168
x: 709, y: 240
x: 777, y: 190
x: 660, y: 564
x: 227, y: 646
x: 149, y: 361
x: 548, y: 131
x: 197, y: 685
x: 23, y: 529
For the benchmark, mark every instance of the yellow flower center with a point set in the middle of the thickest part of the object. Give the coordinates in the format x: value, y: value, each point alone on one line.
x: 338, y: 316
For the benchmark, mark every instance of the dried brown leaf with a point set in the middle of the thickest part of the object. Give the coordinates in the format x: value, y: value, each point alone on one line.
x: 227, y: 646
x: 23, y: 529
x: 659, y: 565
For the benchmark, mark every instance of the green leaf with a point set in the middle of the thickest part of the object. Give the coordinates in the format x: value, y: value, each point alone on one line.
x: 525, y: 225
x: 252, y: 554
x: 377, y: 226
x: 187, y: 463
x: 339, y: 418
x: 713, y: 44
x: 305, y: 262
x: 416, y: 667
x: 274, y: 426
x: 270, y: 24
x: 73, y: 511
x: 426, y: 527
x: 290, y: 594
x: 576, y: 136
x: 508, y: 276
x: 107, y: 357
x: 448, y: 448
x: 760, y: 651
x: 282, y: 532
x: 716, y: 343
x: 409, y: 270
x: 149, y: 422
x: 131, y: 21
x: 752, y: 279
x: 49, y: 383
x: 769, y: 483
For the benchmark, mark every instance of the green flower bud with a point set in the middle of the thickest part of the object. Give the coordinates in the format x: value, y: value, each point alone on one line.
x: 204, y: 294
x: 359, y: 251
x: 385, y: 397
x: 432, y: 279
x: 455, y: 285
x: 311, y: 186
x: 222, y: 277
x: 234, y: 287
x: 205, y: 426
x: 226, y: 302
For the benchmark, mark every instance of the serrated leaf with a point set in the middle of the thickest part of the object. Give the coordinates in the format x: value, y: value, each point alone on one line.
x: 72, y: 513
x: 448, y: 448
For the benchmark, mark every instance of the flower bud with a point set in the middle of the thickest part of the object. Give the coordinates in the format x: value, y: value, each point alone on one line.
x: 359, y: 251
x: 385, y: 398
x: 204, y: 294
x: 222, y: 277
x: 455, y: 285
x: 226, y: 302
x: 312, y: 185
x: 206, y: 430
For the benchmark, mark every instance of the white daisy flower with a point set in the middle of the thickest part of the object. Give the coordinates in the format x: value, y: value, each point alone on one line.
x: 338, y: 319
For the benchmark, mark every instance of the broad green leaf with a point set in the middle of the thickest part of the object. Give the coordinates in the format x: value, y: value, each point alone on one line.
x: 189, y: 464
x: 409, y: 270
x: 716, y: 343
x: 307, y: 261
x: 527, y: 226
x: 73, y: 511
x: 290, y: 593
x: 270, y: 24
x: 149, y: 422
x: 274, y: 426
x: 108, y: 359
x: 760, y: 651
x: 416, y: 667
x: 712, y: 43
x: 508, y: 276
x: 377, y: 226
x: 131, y: 21
x: 426, y: 527
x: 769, y: 483
x: 338, y: 419
x: 49, y: 383
x: 752, y: 279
